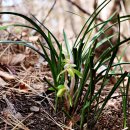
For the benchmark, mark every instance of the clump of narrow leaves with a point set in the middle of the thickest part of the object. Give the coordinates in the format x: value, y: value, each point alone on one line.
x: 75, y: 71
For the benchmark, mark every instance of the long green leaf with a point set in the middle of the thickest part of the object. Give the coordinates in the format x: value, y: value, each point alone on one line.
x: 87, y: 22
x: 111, y: 93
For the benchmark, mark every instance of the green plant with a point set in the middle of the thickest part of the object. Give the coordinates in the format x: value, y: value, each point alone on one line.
x: 78, y: 65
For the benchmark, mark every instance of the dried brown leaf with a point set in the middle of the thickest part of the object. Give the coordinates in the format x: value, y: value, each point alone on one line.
x: 3, y: 83
x: 6, y: 59
x: 12, y: 59
x: 6, y: 75
x: 23, y: 87
x: 18, y: 58
x: 33, y: 38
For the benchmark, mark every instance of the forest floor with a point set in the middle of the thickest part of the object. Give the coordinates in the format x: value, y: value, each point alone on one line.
x: 24, y: 101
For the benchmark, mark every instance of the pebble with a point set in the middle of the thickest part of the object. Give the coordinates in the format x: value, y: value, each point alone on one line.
x: 34, y: 109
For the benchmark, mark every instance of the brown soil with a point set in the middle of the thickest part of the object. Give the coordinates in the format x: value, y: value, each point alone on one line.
x: 35, y: 120
x: 111, y: 118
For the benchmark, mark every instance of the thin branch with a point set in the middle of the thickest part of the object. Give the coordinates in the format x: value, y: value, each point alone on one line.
x: 49, y: 11
x: 43, y: 21
x: 82, y: 10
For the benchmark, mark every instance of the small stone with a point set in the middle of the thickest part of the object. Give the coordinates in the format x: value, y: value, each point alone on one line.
x: 34, y: 109
x: 19, y: 116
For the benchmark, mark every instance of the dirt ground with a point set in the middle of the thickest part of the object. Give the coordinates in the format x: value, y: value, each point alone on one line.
x: 31, y: 112
x: 31, y: 119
